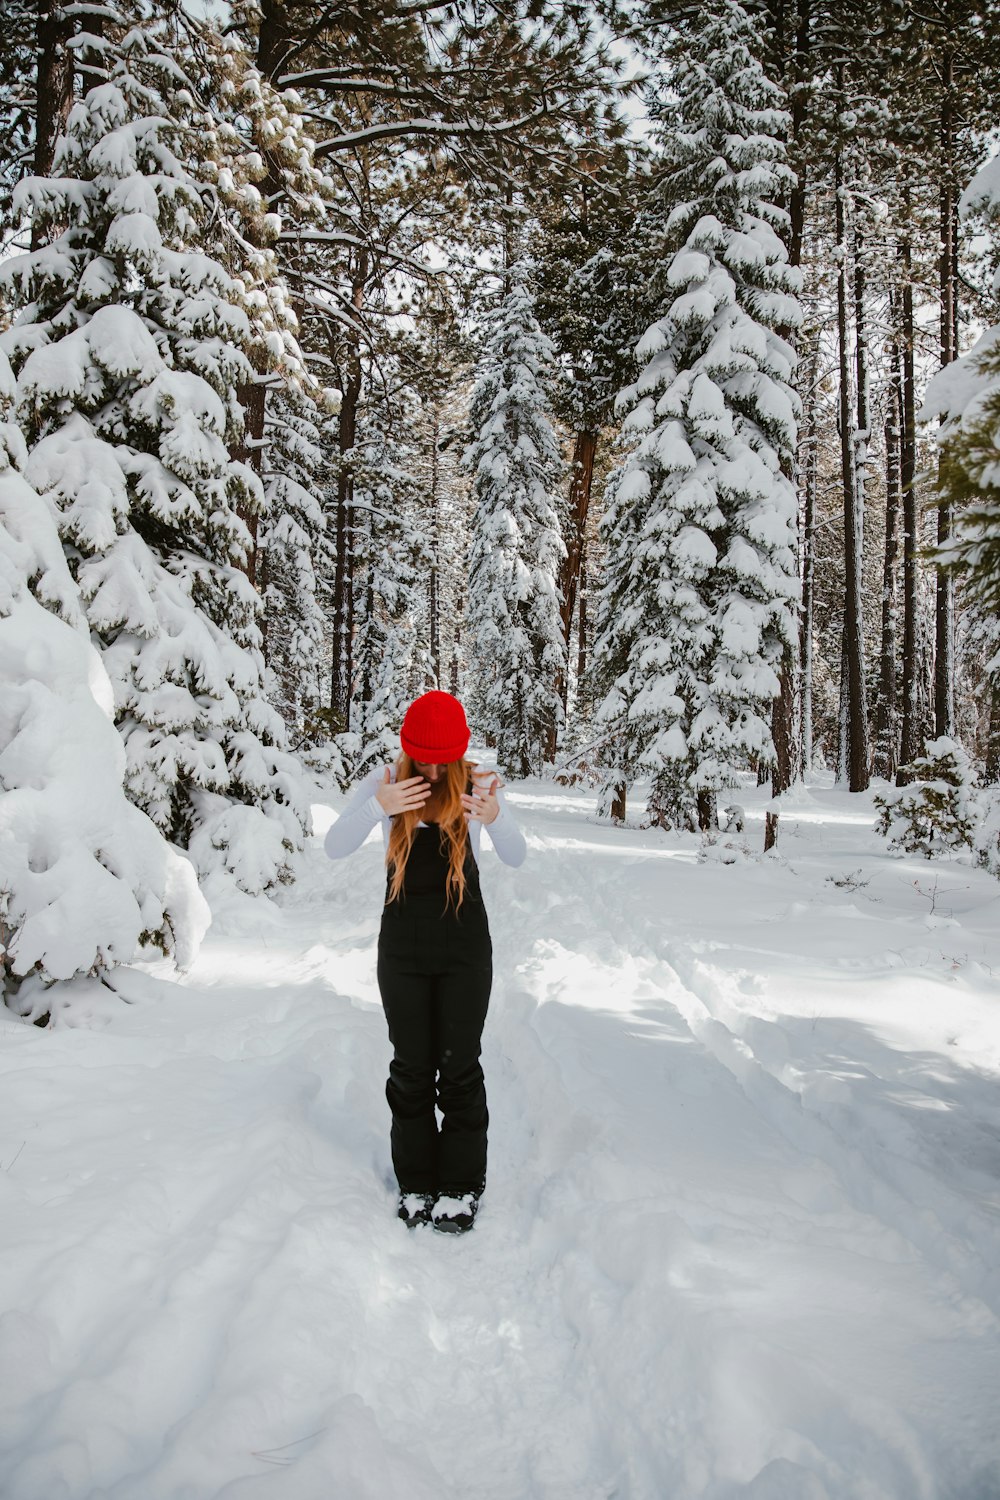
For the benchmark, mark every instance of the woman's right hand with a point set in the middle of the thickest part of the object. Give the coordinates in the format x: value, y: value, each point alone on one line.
x: 402, y: 796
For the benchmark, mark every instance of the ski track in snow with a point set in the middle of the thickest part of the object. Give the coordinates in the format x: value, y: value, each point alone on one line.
x: 740, y: 1239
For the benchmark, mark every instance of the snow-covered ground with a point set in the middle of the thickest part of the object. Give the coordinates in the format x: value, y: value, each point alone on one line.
x: 741, y: 1239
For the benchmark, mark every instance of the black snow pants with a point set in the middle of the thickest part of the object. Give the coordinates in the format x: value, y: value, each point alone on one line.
x: 435, y: 971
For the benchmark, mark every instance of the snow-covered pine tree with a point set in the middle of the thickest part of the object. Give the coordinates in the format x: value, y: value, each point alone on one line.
x: 515, y: 650
x: 391, y: 561
x: 611, y: 682
x: 129, y: 343
x: 591, y: 302
x: 701, y: 585
x: 966, y: 395
x: 85, y: 877
x: 293, y: 552
x: 254, y: 152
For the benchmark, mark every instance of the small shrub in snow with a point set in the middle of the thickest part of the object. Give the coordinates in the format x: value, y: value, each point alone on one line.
x: 851, y: 880
x: 736, y: 818
x: 726, y: 849
x: 939, y: 807
x: 986, y: 836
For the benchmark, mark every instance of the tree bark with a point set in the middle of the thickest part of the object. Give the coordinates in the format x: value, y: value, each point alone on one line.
x: 252, y: 399
x: 886, y: 726
x: 434, y: 602
x: 853, y: 656
x: 992, y: 772
x: 582, y: 627
x: 343, y: 581
x: 787, y: 764
x: 843, y: 713
x: 53, y: 89
x: 273, y: 39
x: 808, y: 574
x: 569, y: 569
x: 911, y: 735
x: 782, y: 727
x: 708, y: 816
x: 944, y: 610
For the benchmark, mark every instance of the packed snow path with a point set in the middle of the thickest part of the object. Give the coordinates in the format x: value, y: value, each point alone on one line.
x: 741, y: 1239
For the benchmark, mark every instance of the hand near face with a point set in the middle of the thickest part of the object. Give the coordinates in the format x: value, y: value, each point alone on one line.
x: 402, y: 796
x: 483, y: 804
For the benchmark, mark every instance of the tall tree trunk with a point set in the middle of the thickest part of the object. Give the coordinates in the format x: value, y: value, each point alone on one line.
x: 366, y: 685
x: 434, y: 602
x: 273, y: 39
x: 787, y: 706
x: 582, y: 627
x: 992, y: 773
x: 783, y: 727
x: 799, y: 97
x: 252, y: 398
x: 886, y: 725
x: 843, y: 714
x: 569, y: 570
x: 862, y: 434
x: 911, y: 736
x: 343, y: 581
x: 944, y: 613
x: 456, y: 652
x: 53, y: 89
x: 853, y: 654
x: 808, y: 464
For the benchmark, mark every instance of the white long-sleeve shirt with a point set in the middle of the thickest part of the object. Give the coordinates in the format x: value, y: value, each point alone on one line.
x: 363, y: 810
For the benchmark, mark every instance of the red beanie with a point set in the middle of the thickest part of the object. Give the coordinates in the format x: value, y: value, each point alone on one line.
x: 434, y: 729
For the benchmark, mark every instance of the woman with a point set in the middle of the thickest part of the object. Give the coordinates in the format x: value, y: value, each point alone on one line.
x: 435, y: 954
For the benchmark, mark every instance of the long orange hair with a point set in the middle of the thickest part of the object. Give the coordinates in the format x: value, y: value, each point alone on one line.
x: 454, y: 829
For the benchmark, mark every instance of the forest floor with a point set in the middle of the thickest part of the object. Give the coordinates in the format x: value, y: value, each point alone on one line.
x: 741, y: 1238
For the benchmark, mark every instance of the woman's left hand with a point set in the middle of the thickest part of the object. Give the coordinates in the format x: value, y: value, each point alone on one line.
x: 483, y: 804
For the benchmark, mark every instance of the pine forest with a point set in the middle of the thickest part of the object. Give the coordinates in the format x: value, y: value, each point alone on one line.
x: 627, y: 368
x: 612, y: 387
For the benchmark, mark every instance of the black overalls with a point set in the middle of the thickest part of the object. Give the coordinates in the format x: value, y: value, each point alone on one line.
x: 435, y: 970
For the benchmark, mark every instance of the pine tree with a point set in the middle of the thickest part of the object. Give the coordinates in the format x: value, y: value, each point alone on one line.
x: 699, y: 600
x: 294, y: 554
x: 130, y: 342
x: 966, y: 395
x: 255, y: 156
x: 516, y: 651
x: 391, y: 558
x: 589, y: 303
x: 85, y: 877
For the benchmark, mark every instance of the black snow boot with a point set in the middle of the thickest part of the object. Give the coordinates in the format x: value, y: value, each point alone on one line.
x: 455, y: 1213
x: 415, y: 1208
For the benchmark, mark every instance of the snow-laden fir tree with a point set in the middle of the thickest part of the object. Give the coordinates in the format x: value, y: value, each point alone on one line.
x: 966, y: 395
x: 698, y: 600
x: 515, y: 648
x: 294, y: 553
x: 130, y: 342
x: 392, y: 560
x: 255, y: 151
x: 85, y: 877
